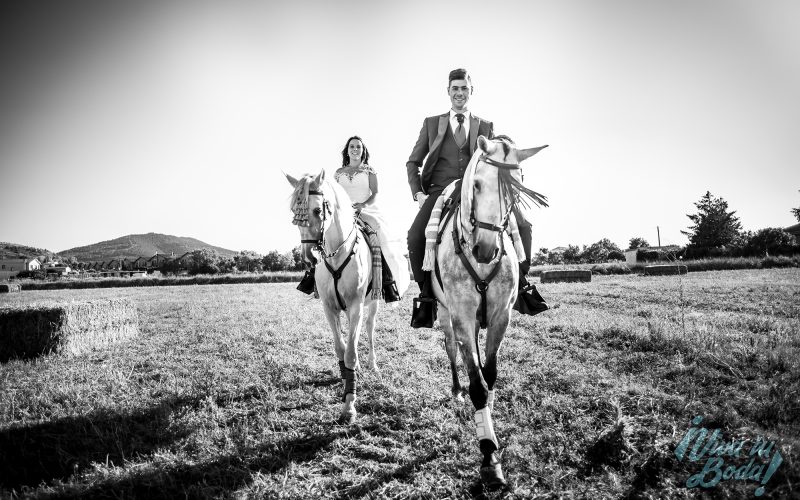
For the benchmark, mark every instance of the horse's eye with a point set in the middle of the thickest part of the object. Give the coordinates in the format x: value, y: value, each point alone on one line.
x: 477, y: 186
x: 317, y: 211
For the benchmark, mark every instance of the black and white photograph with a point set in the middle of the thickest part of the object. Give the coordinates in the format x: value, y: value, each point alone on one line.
x: 303, y: 249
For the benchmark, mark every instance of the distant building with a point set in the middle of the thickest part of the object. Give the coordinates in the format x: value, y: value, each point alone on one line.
x: 630, y: 255
x: 559, y: 250
x: 12, y: 267
x: 59, y: 270
x: 795, y: 230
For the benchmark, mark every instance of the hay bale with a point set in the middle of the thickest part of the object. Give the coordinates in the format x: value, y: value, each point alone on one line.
x: 72, y: 328
x: 567, y: 275
x: 665, y: 269
x: 10, y: 287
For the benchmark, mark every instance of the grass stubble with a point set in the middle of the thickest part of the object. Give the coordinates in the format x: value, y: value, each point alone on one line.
x: 233, y: 391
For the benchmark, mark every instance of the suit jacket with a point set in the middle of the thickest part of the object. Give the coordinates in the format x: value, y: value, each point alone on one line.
x: 429, y: 143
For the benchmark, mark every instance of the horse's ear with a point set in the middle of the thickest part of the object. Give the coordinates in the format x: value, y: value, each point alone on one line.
x: 291, y: 180
x: 319, y: 178
x: 486, y: 145
x: 524, y: 154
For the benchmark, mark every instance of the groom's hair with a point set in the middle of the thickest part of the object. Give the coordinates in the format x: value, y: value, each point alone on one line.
x: 459, y: 74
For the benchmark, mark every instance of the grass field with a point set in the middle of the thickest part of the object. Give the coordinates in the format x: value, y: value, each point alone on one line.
x: 233, y: 391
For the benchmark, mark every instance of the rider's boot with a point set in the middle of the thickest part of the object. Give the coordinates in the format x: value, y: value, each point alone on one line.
x: 307, y: 284
x: 424, y: 313
x: 529, y: 301
x: 390, y: 292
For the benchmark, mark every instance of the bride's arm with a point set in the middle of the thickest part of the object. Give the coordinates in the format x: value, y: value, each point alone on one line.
x: 373, y: 187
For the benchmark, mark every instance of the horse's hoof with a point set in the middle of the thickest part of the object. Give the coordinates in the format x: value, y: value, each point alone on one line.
x: 347, y: 418
x: 492, y: 476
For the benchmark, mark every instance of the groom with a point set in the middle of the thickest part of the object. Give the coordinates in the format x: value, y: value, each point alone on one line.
x: 443, y: 151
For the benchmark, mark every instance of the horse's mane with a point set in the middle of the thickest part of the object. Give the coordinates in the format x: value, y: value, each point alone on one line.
x: 334, y: 194
x: 511, y: 187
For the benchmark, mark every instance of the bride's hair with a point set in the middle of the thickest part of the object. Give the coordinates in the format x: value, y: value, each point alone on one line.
x: 364, y: 154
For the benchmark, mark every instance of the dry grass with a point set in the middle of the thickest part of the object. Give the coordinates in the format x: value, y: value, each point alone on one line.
x: 233, y: 391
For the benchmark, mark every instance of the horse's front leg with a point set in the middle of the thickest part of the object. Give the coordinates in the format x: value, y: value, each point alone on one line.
x: 334, y: 320
x: 350, y: 366
x: 491, y: 470
x: 371, y: 312
x: 496, y: 331
x: 451, y: 347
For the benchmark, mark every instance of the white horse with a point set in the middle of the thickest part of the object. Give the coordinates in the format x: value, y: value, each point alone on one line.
x: 477, y: 279
x: 324, y: 214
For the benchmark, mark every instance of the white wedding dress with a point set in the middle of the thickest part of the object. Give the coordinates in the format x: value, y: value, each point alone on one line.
x: 356, y: 184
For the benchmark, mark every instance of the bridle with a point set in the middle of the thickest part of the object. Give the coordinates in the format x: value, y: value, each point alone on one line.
x: 482, y: 284
x: 319, y: 244
x: 504, y: 221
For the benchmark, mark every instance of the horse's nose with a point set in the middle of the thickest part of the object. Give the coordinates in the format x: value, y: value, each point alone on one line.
x: 484, y: 256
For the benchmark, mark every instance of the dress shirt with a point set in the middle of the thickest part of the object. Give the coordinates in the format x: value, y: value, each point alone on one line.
x: 454, y: 122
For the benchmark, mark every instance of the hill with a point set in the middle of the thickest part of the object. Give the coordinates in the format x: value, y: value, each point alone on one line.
x: 16, y: 251
x: 133, y: 246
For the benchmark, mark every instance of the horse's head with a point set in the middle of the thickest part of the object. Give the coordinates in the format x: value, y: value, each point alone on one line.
x: 312, y: 213
x: 317, y: 205
x: 491, y: 187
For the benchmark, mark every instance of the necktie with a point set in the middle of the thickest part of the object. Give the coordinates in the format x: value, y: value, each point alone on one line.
x: 461, y: 136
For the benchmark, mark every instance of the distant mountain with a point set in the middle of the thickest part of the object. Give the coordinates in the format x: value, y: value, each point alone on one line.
x: 134, y: 246
x: 16, y: 251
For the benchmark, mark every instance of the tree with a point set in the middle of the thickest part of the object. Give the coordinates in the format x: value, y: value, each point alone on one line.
x: 771, y: 241
x: 248, y: 261
x: 276, y: 261
x: 204, y: 261
x: 796, y: 213
x: 714, y: 226
x: 297, y: 259
x: 598, y: 252
x: 572, y: 254
x: 637, y: 242
x: 540, y: 257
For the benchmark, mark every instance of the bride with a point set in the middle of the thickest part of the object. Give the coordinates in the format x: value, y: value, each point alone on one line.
x: 360, y: 181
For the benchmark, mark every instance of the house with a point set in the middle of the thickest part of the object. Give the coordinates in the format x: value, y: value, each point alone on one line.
x: 157, y: 260
x: 12, y: 267
x: 795, y: 230
x: 559, y: 250
x: 139, y: 263
x: 185, y: 260
x: 59, y: 270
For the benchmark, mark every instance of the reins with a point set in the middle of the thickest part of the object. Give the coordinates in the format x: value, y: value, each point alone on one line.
x: 481, y: 284
x: 320, y: 245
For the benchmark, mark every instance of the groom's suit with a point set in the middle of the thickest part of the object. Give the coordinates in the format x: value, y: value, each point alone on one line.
x: 444, y: 162
x: 431, y: 138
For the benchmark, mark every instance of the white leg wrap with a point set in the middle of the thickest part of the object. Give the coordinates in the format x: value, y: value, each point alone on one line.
x: 485, y: 426
x: 490, y: 400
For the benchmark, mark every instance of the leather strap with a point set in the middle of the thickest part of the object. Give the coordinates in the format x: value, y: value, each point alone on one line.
x: 481, y: 284
x: 337, y: 273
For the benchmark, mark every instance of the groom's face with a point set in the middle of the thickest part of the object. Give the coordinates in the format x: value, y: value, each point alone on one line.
x: 459, y: 92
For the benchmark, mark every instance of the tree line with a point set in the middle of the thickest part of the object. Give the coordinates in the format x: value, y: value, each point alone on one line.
x: 715, y: 231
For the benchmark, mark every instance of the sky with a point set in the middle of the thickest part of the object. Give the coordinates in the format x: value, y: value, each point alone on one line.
x: 180, y: 117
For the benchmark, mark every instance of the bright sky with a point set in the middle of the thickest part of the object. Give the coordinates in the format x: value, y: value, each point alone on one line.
x: 178, y: 117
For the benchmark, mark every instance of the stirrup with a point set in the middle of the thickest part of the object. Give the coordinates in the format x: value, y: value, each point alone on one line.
x: 424, y: 313
x: 527, y: 303
x: 307, y: 284
x: 390, y: 292
x: 530, y: 287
